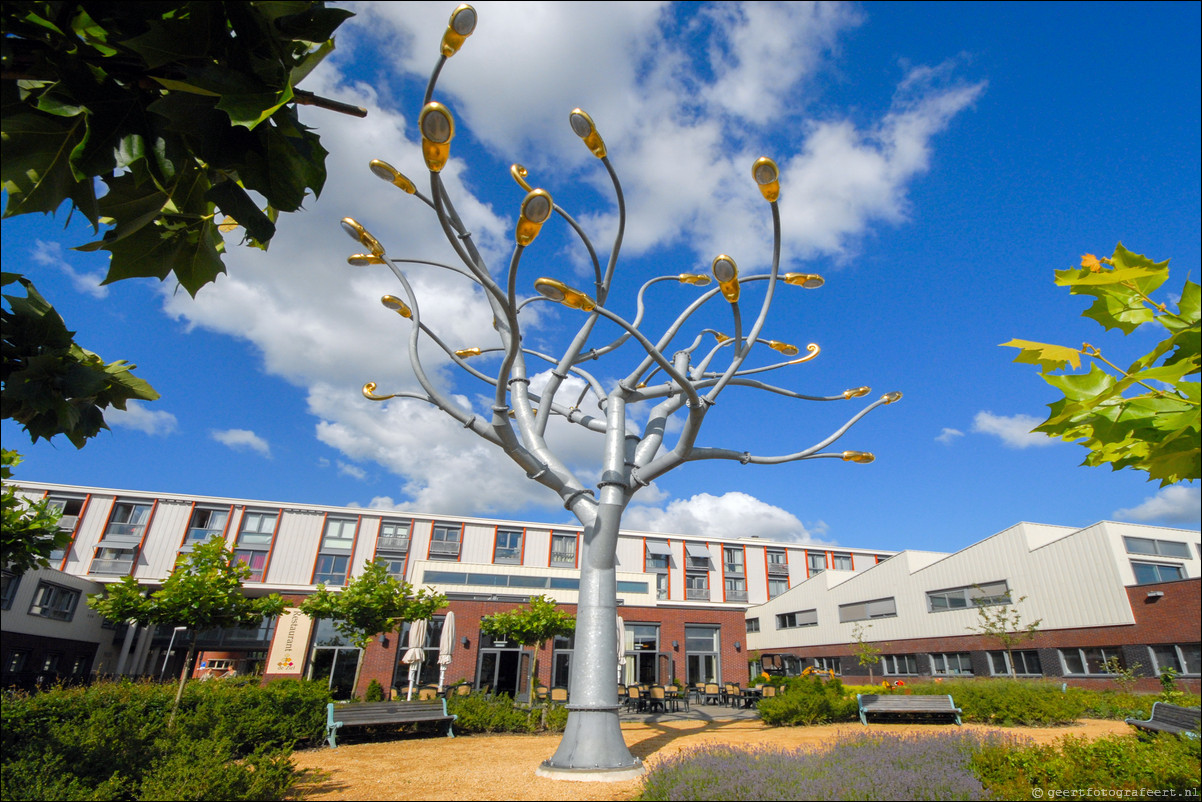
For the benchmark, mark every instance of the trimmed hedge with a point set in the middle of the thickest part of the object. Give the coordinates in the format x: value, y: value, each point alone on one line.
x: 481, y: 712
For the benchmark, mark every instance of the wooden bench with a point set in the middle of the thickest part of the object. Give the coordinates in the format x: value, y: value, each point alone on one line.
x: 386, y: 713
x: 1170, y: 718
x: 924, y: 705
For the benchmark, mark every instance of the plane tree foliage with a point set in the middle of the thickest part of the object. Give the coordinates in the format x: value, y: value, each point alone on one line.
x: 1144, y: 416
x: 29, y: 529
x: 169, y: 124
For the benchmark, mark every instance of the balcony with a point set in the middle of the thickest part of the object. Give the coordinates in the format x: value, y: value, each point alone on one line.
x: 778, y: 569
x: 198, y: 535
x: 736, y: 595
x: 117, y: 531
x: 67, y: 522
x: 734, y: 568
x: 567, y: 558
x: 697, y: 594
x: 393, y: 543
x: 444, y: 549
x: 111, y: 566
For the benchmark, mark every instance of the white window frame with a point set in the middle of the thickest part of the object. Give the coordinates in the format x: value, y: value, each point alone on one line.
x: 797, y: 620
x: 55, y: 602
x: 1158, y: 548
x: 508, y: 553
x: 262, y: 532
x: 970, y: 597
x: 1159, y: 567
x: 779, y: 582
x: 1106, y: 653
x: 732, y: 559
x: 842, y: 562
x: 336, y: 537
x: 885, y: 607
x: 1182, y: 667
x: 889, y: 665
x: 941, y: 664
x: 560, y: 555
x: 1002, y: 659
x: 446, y: 539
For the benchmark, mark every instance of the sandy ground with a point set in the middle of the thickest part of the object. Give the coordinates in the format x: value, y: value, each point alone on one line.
x: 502, y: 767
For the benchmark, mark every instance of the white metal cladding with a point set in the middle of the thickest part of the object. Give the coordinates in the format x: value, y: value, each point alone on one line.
x: 365, y: 544
x: 163, y: 538
x: 88, y: 534
x: 1192, y: 566
x: 536, y: 548
x: 477, y: 543
x: 85, y: 622
x: 297, y: 541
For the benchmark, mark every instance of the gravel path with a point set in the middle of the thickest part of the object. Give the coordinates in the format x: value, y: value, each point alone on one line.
x: 501, y: 767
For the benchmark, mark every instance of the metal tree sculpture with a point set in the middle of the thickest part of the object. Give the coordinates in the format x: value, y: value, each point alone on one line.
x: 592, y: 745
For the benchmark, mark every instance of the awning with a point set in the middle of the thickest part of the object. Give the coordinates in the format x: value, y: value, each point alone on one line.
x: 658, y: 547
x: 698, y: 550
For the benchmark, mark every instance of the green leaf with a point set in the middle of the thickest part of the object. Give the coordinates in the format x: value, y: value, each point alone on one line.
x: 233, y: 200
x: 1048, y: 357
x: 192, y: 251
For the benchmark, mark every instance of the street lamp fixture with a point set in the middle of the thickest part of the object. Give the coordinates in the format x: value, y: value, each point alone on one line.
x: 726, y: 273
x: 361, y: 235
x: 438, y: 129
x: 464, y: 353
x: 862, y: 457
x: 857, y: 392
x: 397, y: 305
x: 696, y: 279
x: 170, y: 646
x: 364, y: 259
x: 784, y: 348
x: 583, y: 127
x: 560, y: 293
x: 810, y: 281
x: 385, y: 171
x: 767, y: 177
x: 463, y: 22
x: 536, y: 208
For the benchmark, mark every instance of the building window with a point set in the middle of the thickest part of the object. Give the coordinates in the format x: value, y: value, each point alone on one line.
x: 736, y: 589
x: 697, y: 557
x: 776, y: 587
x: 54, y: 601
x: 753, y: 625
x: 339, y: 534
x: 899, y: 664
x: 841, y: 562
x: 17, y: 660
x: 659, y: 555
x: 257, y: 528
x: 9, y: 591
x: 805, y: 618
x: 563, y: 550
x: 509, y: 546
x: 69, y: 509
x: 1091, y: 661
x: 954, y: 664
x: 206, y: 523
x: 1150, y: 573
x: 561, y: 660
x: 862, y: 611
x: 1185, y: 659
x: 661, y: 586
x: 128, y: 521
x: 969, y: 596
x: 816, y: 561
x: 394, y: 536
x: 697, y: 586
x: 394, y: 567
x: 701, y: 645
x: 777, y: 562
x: 444, y: 541
x: 256, y: 561
x: 1163, y: 548
x: 1026, y: 663
x: 834, y: 664
x: 112, y: 561
x: 732, y: 558
x: 331, y: 569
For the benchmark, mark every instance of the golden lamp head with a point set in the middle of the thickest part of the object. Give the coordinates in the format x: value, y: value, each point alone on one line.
x: 460, y: 27
x: 784, y: 348
x: 720, y: 337
x: 696, y: 279
x: 437, y: 127
x: 560, y: 293
x: 889, y: 398
x: 862, y: 457
x: 857, y: 392
x: 809, y: 281
x: 397, y: 305
x: 363, y: 260
x: 464, y: 353
x: 360, y: 234
x: 386, y: 172
x: 536, y: 208
x: 583, y: 127
x: 726, y: 273
x: 767, y: 177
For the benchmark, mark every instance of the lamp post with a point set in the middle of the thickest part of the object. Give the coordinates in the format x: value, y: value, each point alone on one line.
x: 167, y: 656
x: 592, y: 747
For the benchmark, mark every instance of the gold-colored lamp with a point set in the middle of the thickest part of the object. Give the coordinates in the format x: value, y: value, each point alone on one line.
x: 397, y: 305
x: 463, y: 22
x: 889, y: 398
x: 361, y: 235
x: 437, y: 127
x: 857, y: 392
x: 720, y: 337
x: 862, y: 457
x: 465, y: 353
x: 784, y: 348
x: 726, y: 273
x: 583, y: 127
x: 392, y: 175
x: 696, y: 279
x: 536, y: 208
x: 560, y: 293
x: 767, y: 177
x: 363, y: 260
x: 810, y: 281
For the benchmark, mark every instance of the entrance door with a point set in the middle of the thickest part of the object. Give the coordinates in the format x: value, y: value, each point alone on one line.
x: 500, y: 670
x: 337, y: 667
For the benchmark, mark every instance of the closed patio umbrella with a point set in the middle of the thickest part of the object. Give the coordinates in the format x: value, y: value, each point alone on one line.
x: 446, y: 647
x: 416, y: 654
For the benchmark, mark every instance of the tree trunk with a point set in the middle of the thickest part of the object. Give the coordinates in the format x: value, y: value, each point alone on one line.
x: 183, y: 679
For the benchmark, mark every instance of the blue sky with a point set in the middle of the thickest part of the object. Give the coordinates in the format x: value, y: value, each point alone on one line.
x: 939, y: 162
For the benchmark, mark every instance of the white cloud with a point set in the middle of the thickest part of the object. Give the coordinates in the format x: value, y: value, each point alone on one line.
x: 1014, y: 431
x: 1177, y: 504
x: 353, y: 471
x: 50, y: 254
x: 949, y: 435
x: 138, y: 416
x: 242, y: 440
x: 731, y: 514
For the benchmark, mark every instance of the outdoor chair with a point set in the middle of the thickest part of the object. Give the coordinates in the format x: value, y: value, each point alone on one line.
x: 768, y: 691
x: 426, y: 694
x: 463, y: 690
x: 657, y: 698
x: 634, y: 697
x: 713, y: 694
x: 559, y: 694
x: 735, y: 696
x: 541, y: 693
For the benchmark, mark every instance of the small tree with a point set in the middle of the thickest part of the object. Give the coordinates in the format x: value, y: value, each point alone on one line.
x: 30, y: 528
x: 203, y: 592
x: 868, y: 654
x: 1004, y: 623
x: 532, y: 625
x: 374, y: 603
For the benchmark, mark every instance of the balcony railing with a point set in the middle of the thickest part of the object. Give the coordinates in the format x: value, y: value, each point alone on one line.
x: 197, y: 535
x: 392, y: 543
x: 736, y: 595
x: 118, y: 531
x: 697, y: 594
x: 68, y: 522
x: 781, y: 569
x: 444, y: 548
x: 734, y: 568
x: 111, y: 566
x: 563, y: 558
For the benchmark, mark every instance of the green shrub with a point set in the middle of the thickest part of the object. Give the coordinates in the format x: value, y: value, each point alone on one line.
x: 207, y: 769
x: 1008, y: 702
x: 375, y: 692
x: 808, y: 700
x: 481, y: 712
x: 1128, y: 762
